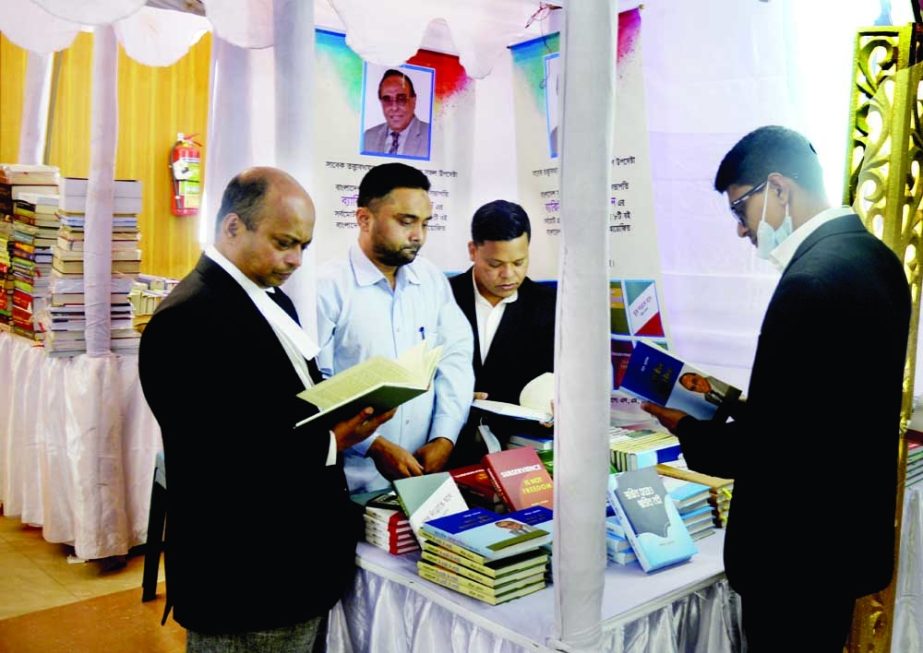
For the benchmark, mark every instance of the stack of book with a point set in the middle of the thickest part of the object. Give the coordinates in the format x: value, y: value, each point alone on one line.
x: 490, y: 557
x: 720, y: 490
x: 691, y: 501
x: 634, y: 449
x: 386, y: 525
x: 16, y: 179
x: 537, y: 442
x: 147, y: 291
x: 65, y: 319
x: 914, y: 457
x: 31, y: 237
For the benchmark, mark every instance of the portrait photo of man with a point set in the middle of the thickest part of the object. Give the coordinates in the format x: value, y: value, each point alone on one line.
x: 397, y: 111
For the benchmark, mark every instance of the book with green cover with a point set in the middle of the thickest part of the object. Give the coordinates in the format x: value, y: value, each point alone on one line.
x: 491, y: 569
x: 475, y: 590
x: 379, y: 382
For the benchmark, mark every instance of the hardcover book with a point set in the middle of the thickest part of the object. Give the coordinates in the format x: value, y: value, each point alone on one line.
x: 382, y: 383
x: 428, y: 497
x: 483, y: 536
x: 520, y: 478
x: 658, y: 376
x: 476, y: 590
x: 649, y: 518
x: 495, y: 569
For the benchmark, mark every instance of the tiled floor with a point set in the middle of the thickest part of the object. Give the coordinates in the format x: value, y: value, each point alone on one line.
x: 48, y: 603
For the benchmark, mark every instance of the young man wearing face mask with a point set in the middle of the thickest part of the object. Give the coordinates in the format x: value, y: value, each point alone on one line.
x: 841, y: 289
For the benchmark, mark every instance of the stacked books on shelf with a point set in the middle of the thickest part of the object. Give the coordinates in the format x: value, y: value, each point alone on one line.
x: 634, y: 449
x: 65, y: 320
x: 648, y: 520
x: 490, y: 557
x: 147, y: 291
x: 386, y: 525
x: 720, y: 490
x: 537, y: 442
x: 16, y: 179
x: 33, y: 232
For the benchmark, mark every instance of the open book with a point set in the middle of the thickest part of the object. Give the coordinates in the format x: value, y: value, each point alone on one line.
x: 534, y: 401
x: 379, y: 382
x: 658, y: 376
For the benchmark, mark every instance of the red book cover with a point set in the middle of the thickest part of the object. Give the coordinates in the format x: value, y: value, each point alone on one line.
x: 474, y: 479
x: 520, y: 478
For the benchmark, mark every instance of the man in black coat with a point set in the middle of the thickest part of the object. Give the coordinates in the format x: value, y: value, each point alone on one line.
x: 512, y: 318
x: 220, y: 364
x: 814, y: 452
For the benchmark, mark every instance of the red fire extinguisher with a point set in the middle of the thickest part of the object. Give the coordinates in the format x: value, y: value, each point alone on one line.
x: 185, y: 168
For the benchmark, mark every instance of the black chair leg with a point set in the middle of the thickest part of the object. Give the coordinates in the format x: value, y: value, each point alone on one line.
x: 153, y: 547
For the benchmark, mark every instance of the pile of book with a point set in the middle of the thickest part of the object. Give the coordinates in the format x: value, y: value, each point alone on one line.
x: 490, y: 557
x: 147, y: 291
x: 65, y: 319
x: 386, y: 524
x: 634, y: 449
x: 720, y: 490
x: 691, y: 501
x: 24, y: 263
x: 914, y: 457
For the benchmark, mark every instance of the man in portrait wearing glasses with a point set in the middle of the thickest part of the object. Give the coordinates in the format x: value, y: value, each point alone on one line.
x: 402, y: 133
x: 802, y: 426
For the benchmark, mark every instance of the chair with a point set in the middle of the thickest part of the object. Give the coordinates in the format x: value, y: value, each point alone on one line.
x: 156, y: 519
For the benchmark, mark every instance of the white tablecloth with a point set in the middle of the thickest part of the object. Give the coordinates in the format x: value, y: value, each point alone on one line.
x: 390, y: 609
x: 77, y: 447
x: 908, y: 604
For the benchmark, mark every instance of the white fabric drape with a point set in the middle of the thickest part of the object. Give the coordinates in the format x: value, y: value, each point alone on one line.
x: 582, y: 368
x: 908, y: 603
x: 36, y: 94
x: 293, y: 60
x: 229, y: 125
x: 77, y: 447
x: 100, y: 190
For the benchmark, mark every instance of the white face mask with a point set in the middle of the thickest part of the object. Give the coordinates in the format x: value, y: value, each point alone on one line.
x: 767, y: 238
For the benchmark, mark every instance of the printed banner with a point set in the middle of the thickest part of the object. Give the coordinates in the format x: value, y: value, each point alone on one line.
x: 429, y: 103
x: 634, y: 266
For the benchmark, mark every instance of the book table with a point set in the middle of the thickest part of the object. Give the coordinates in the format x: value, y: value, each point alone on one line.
x: 689, y: 607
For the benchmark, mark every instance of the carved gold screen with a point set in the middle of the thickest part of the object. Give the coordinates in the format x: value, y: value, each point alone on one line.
x: 884, y: 186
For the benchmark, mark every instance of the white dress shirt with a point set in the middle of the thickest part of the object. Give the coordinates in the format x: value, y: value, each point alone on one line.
x: 488, y: 317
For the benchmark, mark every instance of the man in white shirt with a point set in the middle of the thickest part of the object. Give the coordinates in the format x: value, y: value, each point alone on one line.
x: 220, y: 364
x: 382, y: 300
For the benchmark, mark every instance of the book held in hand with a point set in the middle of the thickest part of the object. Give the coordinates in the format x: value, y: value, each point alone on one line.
x: 658, y: 376
x: 379, y: 382
x: 650, y: 519
x: 534, y: 401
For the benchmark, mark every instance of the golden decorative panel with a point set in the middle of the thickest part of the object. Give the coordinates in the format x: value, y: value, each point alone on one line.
x: 884, y: 184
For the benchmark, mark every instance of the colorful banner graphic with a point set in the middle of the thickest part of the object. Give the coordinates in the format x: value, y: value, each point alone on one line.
x: 429, y: 101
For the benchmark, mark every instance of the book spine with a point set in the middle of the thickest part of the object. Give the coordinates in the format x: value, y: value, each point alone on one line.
x: 461, y: 570
x: 445, y: 540
x: 457, y: 558
x: 456, y: 583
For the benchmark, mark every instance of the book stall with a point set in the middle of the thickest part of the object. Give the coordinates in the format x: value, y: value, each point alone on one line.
x: 607, y: 542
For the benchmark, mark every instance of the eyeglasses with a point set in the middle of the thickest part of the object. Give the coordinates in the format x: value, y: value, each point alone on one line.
x: 400, y: 100
x: 738, y: 206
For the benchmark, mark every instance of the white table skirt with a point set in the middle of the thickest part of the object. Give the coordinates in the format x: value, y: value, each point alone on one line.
x: 77, y: 447
x: 390, y: 609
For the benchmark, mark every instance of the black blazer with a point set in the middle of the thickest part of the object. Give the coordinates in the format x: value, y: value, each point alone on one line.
x: 523, y: 346
x: 223, y: 391
x: 814, y: 453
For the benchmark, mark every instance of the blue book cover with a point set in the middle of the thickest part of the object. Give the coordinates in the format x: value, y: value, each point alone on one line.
x: 486, y: 533
x: 650, y: 519
x: 656, y: 375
